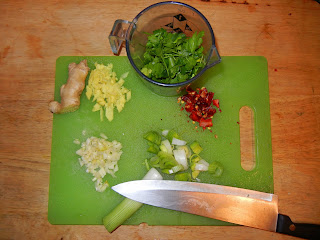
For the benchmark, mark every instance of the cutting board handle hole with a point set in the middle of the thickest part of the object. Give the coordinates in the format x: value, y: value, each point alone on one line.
x: 247, y: 139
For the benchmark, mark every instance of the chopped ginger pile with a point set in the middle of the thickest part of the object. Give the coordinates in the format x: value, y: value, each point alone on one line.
x: 107, y: 91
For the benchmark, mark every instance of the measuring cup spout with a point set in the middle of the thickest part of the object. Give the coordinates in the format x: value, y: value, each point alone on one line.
x: 118, y: 35
x: 215, y: 57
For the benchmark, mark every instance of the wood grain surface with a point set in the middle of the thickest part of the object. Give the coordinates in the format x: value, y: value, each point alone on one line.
x: 34, y: 33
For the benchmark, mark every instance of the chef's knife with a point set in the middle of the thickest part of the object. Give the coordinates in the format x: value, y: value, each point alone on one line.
x: 230, y: 204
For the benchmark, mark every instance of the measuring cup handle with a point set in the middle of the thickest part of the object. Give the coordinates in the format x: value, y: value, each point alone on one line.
x: 215, y: 57
x: 118, y: 35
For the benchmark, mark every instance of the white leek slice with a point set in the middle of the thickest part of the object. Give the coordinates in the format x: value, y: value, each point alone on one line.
x: 181, y: 158
x: 202, y: 166
x: 204, y: 162
x: 178, y: 142
x: 186, y: 148
x: 153, y: 174
x: 167, y: 145
x: 165, y: 133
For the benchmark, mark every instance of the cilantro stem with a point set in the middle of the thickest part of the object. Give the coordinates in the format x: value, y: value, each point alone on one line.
x: 165, y: 65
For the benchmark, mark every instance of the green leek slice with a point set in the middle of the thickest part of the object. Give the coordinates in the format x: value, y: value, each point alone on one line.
x: 183, y: 176
x: 216, y: 169
x: 153, y: 137
x: 127, y: 207
x: 195, y: 147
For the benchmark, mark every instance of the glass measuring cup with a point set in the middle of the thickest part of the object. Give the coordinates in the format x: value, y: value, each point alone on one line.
x: 173, y: 17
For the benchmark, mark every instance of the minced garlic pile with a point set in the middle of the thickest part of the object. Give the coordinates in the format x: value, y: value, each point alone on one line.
x: 107, y: 90
x: 100, y: 158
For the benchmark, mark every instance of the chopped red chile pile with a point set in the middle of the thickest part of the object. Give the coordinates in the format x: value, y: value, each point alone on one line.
x: 198, y: 104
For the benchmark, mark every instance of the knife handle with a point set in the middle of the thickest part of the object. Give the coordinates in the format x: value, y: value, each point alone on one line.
x: 302, y: 230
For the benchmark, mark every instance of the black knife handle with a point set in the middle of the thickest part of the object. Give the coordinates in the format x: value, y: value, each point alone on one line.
x: 302, y: 230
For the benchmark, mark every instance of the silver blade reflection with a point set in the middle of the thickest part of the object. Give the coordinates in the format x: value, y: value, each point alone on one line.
x: 235, y: 205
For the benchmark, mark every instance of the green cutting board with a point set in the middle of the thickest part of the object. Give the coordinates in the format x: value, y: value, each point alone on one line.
x: 236, y: 82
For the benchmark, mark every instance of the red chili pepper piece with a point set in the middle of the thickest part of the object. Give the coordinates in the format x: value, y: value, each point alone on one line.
x: 205, y: 123
x: 194, y: 117
x: 216, y: 102
x: 186, y: 98
x: 190, y: 91
x: 203, y: 92
x: 208, y: 112
x: 189, y: 107
x: 209, y: 97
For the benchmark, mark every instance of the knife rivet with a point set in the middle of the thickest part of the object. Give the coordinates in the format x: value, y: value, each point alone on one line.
x: 292, y: 227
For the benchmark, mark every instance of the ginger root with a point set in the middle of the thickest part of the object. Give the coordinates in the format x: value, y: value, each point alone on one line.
x: 71, y: 91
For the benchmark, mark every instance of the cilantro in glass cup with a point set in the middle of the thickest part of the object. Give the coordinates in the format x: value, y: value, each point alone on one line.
x: 175, y: 18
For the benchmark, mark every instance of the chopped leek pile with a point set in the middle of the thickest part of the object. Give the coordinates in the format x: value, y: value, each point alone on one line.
x: 172, y: 155
x: 100, y: 157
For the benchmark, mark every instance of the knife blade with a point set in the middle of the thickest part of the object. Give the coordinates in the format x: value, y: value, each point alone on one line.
x: 236, y: 205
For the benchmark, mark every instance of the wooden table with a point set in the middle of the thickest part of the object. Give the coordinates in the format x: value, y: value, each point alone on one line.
x: 35, y: 33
